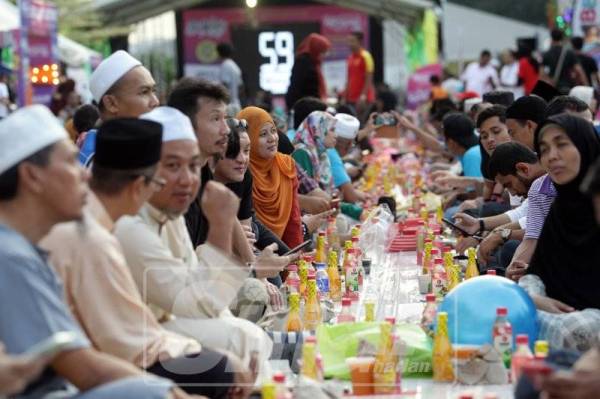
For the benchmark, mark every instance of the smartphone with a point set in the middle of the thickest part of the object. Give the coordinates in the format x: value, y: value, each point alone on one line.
x: 385, y: 119
x: 53, y: 345
x: 455, y: 227
x: 298, y: 248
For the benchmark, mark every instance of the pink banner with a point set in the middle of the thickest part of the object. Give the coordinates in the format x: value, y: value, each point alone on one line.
x: 419, y: 88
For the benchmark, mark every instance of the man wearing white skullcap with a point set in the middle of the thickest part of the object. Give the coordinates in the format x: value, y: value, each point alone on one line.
x: 121, y: 87
x: 41, y: 184
x: 99, y: 286
x: 194, y: 286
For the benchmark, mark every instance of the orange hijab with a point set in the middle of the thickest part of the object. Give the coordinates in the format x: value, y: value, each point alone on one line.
x: 273, y: 179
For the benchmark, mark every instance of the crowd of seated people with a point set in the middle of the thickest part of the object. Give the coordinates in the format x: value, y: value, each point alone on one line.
x: 159, y: 239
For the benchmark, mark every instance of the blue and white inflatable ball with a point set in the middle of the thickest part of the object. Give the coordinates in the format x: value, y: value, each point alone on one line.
x: 471, y: 308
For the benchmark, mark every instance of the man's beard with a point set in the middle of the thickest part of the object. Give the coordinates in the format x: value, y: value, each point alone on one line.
x: 526, y: 183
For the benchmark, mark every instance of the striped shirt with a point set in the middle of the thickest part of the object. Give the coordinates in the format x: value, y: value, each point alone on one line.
x: 541, y: 196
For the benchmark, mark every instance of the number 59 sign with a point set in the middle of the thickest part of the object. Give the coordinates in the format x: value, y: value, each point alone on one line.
x: 274, y: 76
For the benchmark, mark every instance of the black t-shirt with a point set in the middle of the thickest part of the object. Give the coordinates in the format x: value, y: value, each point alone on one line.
x: 196, y: 222
x: 550, y: 62
x: 589, y: 66
x: 243, y: 190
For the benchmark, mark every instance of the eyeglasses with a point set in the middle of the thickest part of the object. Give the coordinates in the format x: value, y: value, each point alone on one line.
x: 234, y: 123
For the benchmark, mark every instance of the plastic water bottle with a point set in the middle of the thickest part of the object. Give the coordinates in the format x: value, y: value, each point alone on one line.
x: 345, y: 315
x: 502, y: 335
x: 293, y: 279
x: 281, y: 391
x: 521, y: 355
x: 322, y: 281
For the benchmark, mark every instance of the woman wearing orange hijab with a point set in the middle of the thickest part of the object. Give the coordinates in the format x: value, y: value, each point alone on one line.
x: 307, y: 78
x: 275, y: 185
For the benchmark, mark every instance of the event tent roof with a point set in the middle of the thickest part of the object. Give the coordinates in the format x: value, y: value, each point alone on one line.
x: 131, y: 11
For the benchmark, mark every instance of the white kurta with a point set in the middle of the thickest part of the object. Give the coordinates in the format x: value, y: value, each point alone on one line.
x: 190, y: 291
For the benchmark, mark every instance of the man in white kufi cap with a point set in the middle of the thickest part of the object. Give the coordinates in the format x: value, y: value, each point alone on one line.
x: 121, y: 87
x: 42, y: 184
x: 190, y: 290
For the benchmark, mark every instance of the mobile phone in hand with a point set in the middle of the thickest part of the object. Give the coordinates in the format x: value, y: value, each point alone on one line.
x: 53, y: 345
x: 298, y: 248
x: 457, y: 228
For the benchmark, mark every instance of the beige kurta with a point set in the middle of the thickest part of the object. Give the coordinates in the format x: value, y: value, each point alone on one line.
x: 102, y: 294
x: 194, y: 288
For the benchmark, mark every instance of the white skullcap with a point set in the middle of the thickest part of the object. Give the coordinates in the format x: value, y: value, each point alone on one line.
x: 176, y: 125
x: 584, y: 93
x: 346, y: 126
x: 25, y: 132
x: 109, y: 71
x: 470, y: 102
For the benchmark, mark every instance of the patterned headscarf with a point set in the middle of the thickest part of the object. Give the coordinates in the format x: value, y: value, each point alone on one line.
x: 310, y: 137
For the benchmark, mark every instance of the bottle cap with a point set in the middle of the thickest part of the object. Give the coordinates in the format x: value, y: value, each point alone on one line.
x: 312, y: 275
x: 522, y: 339
x: 442, y: 316
x: 447, y: 248
x: 292, y: 268
x: 311, y: 339
x: 541, y: 347
x: 320, y: 265
x: 501, y: 311
x: 430, y: 297
x: 391, y: 320
x: 346, y: 301
x: 438, y: 261
x: 435, y: 251
x: 366, y: 262
x: 321, y: 234
x: 354, y: 239
x: 491, y: 272
x: 279, y: 377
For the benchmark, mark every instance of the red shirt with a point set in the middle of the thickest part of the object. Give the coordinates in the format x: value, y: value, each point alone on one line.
x: 359, y: 64
x: 528, y: 75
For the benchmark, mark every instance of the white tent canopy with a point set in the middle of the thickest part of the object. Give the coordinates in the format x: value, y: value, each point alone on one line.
x: 70, y: 52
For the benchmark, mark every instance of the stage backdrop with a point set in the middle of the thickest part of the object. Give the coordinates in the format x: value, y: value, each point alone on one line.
x: 265, y: 40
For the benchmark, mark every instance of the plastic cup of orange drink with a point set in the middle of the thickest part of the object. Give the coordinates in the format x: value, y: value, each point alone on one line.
x: 361, y: 374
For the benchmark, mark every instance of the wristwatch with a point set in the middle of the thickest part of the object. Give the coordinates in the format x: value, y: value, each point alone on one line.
x: 481, y: 226
x: 504, y: 233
